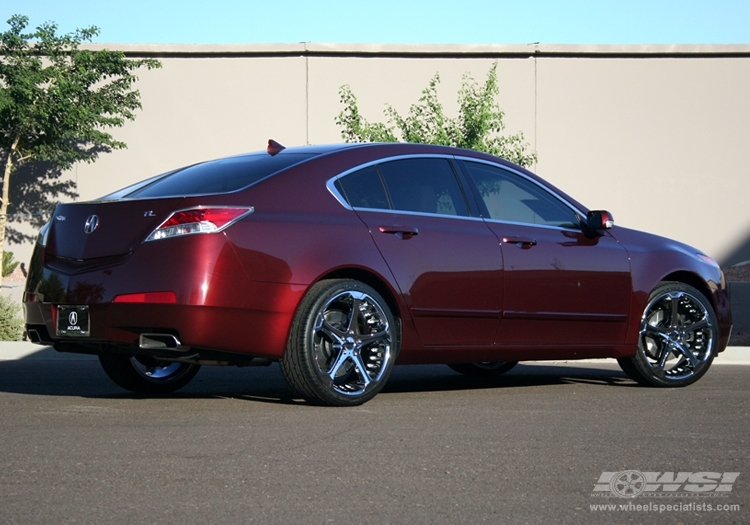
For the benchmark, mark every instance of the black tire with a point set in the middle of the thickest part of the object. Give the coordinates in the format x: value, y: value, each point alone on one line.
x: 678, y: 337
x: 484, y: 369
x: 342, y: 345
x: 146, y: 375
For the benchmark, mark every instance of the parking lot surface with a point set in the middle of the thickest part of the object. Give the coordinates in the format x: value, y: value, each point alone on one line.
x: 237, y: 446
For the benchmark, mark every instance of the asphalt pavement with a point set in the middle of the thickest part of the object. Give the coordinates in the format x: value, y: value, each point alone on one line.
x: 538, y: 445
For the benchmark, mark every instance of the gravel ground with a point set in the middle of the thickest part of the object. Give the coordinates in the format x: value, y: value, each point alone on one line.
x: 738, y: 274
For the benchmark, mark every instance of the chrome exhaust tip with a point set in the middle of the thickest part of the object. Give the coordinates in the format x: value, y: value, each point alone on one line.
x: 33, y: 336
x: 161, y: 342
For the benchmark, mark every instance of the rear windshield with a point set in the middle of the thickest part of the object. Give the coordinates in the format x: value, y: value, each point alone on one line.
x: 217, y: 176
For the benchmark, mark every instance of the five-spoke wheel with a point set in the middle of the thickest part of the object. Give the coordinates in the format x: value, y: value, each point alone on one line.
x: 343, y: 343
x: 146, y: 375
x: 678, y: 337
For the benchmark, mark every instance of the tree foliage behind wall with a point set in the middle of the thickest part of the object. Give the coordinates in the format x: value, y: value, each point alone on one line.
x: 478, y: 126
x: 57, y: 102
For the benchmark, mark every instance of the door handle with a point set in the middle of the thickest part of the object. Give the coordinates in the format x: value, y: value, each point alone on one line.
x: 520, y: 241
x: 400, y: 231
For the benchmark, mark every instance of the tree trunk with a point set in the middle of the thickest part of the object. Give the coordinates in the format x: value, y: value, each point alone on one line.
x: 6, y: 197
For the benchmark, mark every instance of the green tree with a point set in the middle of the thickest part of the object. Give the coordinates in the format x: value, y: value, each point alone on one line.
x: 11, y: 324
x: 478, y: 126
x: 56, y: 103
x: 9, y: 265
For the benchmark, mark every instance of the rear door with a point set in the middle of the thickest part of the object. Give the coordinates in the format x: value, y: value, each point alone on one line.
x: 445, y: 261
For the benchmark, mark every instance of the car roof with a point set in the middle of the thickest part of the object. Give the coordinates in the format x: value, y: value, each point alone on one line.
x: 323, y: 149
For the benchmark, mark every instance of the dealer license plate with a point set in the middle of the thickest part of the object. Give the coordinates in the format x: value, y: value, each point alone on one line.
x: 73, y: 321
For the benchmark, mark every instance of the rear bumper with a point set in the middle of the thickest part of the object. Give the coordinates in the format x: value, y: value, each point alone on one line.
x: 217, y: 306
x: 243, y: 331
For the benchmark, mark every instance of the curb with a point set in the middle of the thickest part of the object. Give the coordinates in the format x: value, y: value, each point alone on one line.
x: 17, y: 350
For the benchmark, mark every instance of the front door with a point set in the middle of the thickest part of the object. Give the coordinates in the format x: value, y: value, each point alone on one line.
x: 561, y: 285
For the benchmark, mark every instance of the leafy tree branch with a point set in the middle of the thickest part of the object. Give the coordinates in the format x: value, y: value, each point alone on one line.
x: 478, y: 126
x: 57, y: 102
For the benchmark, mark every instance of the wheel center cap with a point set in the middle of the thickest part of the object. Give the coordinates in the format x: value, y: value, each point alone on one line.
x: 350, y: 343
x: 675, y: 336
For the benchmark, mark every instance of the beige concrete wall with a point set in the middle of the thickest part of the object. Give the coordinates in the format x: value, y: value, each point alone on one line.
x: 656, y: 134
x: 661, y: 142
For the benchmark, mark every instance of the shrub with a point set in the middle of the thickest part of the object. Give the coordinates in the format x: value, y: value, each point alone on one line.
x: 11, y: 325
x: 9, y: 265
x: 478, y: 126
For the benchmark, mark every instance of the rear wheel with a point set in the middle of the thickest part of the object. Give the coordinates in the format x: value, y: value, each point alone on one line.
x: 146, y: 375
x: 484, y: 369
x: 678, y: 337
x: 343, y: 343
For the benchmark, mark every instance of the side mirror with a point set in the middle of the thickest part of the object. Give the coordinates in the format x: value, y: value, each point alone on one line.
x: 599, y: 220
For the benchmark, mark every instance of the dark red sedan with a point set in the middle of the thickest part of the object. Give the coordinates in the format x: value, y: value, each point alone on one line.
x: 340, y: 261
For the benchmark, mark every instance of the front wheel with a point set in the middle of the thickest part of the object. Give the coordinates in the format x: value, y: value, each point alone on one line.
x: 677, y: 340
x: 484, y: 369
x: 343, y: 343
x: 146, y: 375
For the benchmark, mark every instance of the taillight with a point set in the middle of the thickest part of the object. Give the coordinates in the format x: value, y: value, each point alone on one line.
x: 43, y: 234
x: 198, y: 220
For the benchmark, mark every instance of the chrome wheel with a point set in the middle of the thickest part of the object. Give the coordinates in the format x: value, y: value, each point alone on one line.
x: 153, y: 370
x: 147, y: 375
x: 352, y: 342
x: 677, y: 338
x: 343, y: 346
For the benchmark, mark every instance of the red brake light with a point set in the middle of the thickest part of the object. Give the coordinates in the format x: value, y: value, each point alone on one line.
x: 147, y: 297
x: 198, y: 220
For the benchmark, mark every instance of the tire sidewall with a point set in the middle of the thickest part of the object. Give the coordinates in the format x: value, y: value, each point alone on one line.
x: 122, y: 371
x: 301, y: 354
x: 639, y: 364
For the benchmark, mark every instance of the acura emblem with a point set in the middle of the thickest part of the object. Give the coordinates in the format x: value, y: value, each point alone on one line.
x: 73, y: 318
x: 91, y: 224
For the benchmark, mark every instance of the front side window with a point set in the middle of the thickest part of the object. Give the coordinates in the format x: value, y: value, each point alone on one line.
x: 510, y: 197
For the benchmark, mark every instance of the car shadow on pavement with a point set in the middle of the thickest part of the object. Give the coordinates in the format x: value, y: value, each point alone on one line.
x: 85, y: 378
x: 439, y: 378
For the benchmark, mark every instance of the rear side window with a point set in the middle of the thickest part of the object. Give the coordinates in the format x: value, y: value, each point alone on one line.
x: 510, y: 197
x: 364, y: 189
x: 423, y: 185
x: 219, y: 176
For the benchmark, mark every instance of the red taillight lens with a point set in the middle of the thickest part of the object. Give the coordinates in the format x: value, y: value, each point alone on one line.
x: 198, y: 220
x: 147, y: 297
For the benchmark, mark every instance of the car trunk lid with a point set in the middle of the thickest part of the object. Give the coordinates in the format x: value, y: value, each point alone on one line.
x: 93, y: 230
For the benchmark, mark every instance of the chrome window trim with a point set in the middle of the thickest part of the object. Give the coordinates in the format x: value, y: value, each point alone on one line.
x: 330, y: 184
x: 534, y: 225
x: 419, y: 214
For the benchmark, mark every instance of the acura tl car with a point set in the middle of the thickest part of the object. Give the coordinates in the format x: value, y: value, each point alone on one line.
x: 340, y: 261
